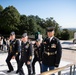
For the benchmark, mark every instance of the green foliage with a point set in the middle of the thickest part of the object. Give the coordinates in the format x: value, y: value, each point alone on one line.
x: 65, y: 34
x: 1, y: 8
x: 23, y: 25
x: 10, y: 19
x: 34, y: 25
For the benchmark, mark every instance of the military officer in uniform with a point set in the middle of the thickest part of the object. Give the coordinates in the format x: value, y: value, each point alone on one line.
x: 26, y: 54
x: 13, y: 51
x: 52, y: 51
x: 38, y: 47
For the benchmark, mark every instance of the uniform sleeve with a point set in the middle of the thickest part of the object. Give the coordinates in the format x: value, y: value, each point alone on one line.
x: 30, y: 51
x: 42, y: 50
x: 59, y: 53
x: 17, y: 47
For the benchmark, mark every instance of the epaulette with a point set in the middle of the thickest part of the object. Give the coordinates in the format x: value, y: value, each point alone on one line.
x: 56, y: 39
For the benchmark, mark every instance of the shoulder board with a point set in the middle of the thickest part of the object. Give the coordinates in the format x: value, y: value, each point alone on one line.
x: 56, y: 39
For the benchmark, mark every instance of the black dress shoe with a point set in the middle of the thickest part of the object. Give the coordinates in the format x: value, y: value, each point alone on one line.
x: 33, y: 74
x: 9, y: 71
x: 17, y: 71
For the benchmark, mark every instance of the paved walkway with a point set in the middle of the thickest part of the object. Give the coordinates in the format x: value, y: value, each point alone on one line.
x: 68, y: 73
x: 4, y: 68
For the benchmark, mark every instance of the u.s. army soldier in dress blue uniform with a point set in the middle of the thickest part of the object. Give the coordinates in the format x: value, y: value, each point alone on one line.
x: 38, y: 49
x: 52, y: 51
x: 26, y: 55
x: 13, y: 51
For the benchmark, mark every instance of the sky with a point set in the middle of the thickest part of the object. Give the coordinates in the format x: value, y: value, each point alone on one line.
x: 62, y: 11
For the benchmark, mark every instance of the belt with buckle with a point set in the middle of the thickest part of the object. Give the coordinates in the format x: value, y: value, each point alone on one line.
x: 50, y: 53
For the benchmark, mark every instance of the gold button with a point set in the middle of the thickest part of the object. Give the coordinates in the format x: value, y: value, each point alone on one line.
x: 48, y: 46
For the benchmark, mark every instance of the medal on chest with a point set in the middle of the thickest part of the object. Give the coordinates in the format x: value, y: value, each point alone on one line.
x: 27, y: 46
x: 53, y: 45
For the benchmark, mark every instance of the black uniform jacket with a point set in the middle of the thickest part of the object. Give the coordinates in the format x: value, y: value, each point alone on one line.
x: 26, y: 51
x: 14, y: 47
x: 38, y: 51
x: 52, y: 52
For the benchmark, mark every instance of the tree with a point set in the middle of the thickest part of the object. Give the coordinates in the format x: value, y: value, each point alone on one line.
x: 10, y: 19
x: 1, y: 8
x: 65, y: 35
x: 32, y: 27
x: 23, y: 25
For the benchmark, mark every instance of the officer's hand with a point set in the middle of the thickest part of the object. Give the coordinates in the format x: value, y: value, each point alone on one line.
x: 44, y: 42
x: 28, y: 62
x: 56, y: 67
x: 41, y: 62
x: 13, y: 57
